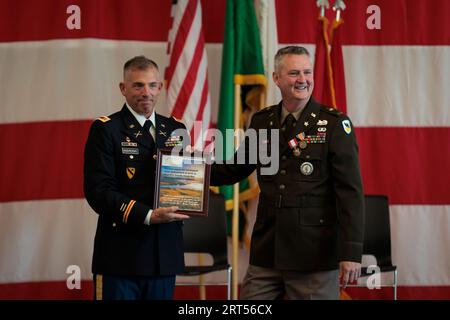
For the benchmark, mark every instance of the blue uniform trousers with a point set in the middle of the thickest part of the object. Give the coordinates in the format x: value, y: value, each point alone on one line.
x: 133, y: 288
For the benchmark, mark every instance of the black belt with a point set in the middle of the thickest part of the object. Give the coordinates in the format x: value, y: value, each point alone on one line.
x: 285, y: 201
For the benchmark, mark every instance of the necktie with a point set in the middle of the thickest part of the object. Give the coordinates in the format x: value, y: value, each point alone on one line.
x: 147, y: 125
x: 289, y: 124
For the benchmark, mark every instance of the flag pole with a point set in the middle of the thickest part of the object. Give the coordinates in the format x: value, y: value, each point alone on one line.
x: 235, y: 220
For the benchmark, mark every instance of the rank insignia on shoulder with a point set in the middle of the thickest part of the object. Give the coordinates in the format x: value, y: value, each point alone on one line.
x: 104, y: 119
x: 347, y: 127
x: 176, y: 119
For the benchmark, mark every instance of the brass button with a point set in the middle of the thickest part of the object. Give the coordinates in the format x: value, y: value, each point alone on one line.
x: 283, y: 172
x: 321, y: 221
x: 283, y: 157
x: 154, y: 157
x: 114, y: 224
x: 282, y: 186
x: 131, y: 157
x: 307, y: 157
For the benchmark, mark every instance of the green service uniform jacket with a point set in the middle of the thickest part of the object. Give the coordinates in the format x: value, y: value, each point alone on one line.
x: 311, y: 212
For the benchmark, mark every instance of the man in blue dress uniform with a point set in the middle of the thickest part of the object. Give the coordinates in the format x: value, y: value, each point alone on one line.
x: 138, y: 249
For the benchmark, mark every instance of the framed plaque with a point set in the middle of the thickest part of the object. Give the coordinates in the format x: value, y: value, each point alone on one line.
x: 182, y: 181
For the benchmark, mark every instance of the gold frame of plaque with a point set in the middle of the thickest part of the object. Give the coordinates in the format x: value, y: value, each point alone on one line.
x: 182, y: 180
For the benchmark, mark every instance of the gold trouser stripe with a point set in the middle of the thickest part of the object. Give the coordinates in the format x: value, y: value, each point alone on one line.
x: 98, y: 287
x: 127, y: 212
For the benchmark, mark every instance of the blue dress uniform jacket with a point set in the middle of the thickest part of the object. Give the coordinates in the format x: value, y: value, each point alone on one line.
x: 119, y: 179
x: 310, y: 213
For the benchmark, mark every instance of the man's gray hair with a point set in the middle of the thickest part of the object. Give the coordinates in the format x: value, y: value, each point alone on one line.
x: 289, y: 50
x: 140, y: 63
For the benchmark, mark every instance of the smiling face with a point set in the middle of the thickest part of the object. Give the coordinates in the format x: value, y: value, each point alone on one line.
x: 294, y: 76
x: 141, y: 89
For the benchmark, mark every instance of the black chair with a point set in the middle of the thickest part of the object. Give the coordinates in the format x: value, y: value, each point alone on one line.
x: 208, y: 235
x: 377, y: 239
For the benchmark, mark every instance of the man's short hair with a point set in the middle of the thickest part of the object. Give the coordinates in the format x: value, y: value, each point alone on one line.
x: 289, y: 50
x: 140, y: 63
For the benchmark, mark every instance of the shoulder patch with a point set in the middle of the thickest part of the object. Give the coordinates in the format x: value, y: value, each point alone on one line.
x: 346, y: 125
x: 104, y: 119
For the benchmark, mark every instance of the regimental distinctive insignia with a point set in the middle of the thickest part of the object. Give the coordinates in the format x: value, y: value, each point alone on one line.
x: 313, y: 115
x: 130, y: 172
x: 104, y: 119
x: 322, y: 122
x: 347, y: 127
x: 306, y: 168
x: 131, y: 126
x: 303, y: 144
x: 296, y: 152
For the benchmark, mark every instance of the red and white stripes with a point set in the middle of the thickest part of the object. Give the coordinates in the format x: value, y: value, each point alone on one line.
x: 186, y: 75
x: 55, y: 81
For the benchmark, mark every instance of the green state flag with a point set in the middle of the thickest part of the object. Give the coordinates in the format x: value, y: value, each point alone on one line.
x: 242, y: 64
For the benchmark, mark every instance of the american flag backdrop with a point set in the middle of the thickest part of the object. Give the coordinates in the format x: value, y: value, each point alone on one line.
x: 186, y: 75
x: 60, y: 65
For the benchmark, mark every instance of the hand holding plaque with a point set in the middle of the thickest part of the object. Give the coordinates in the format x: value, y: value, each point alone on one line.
x: 182, y: 181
